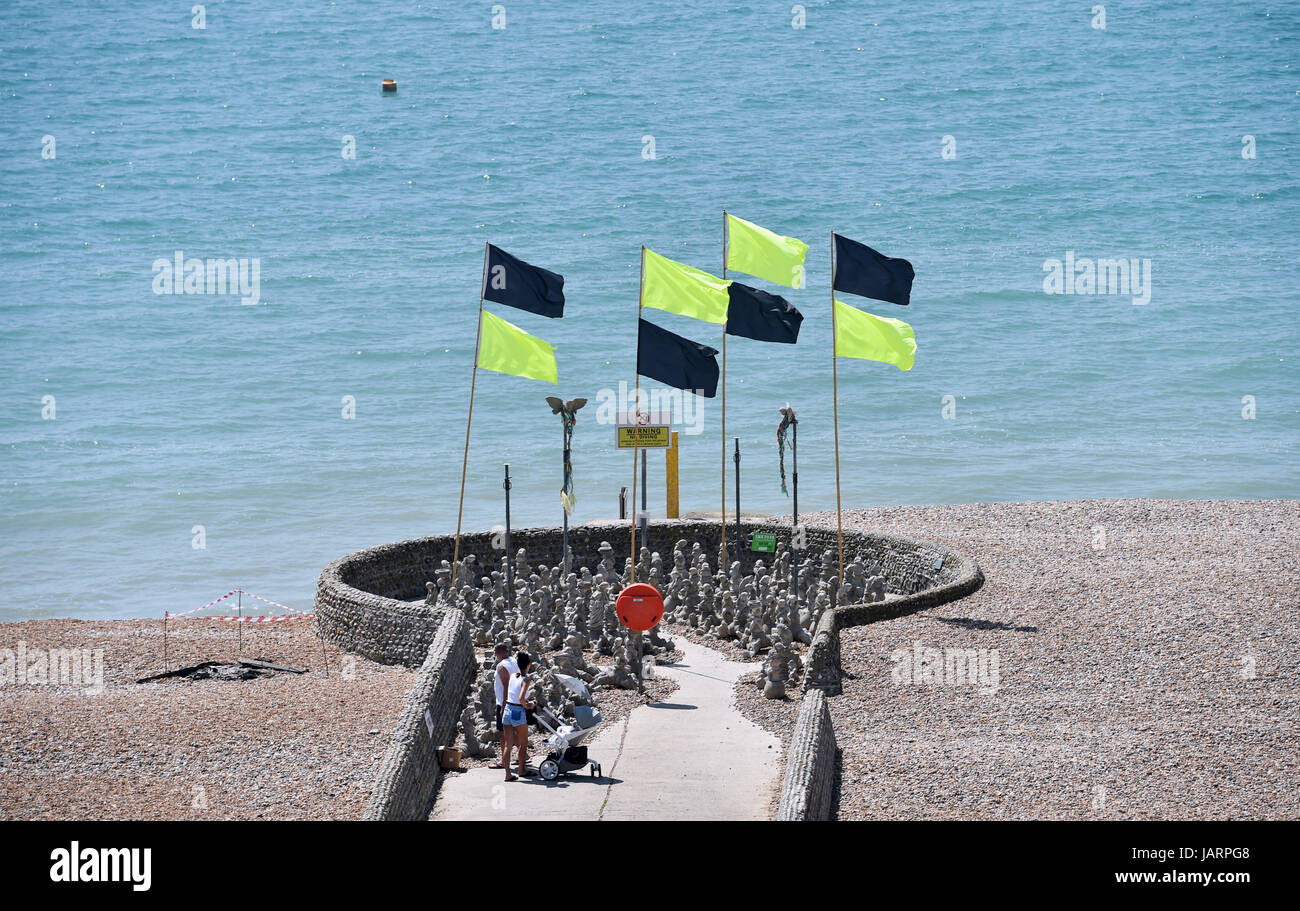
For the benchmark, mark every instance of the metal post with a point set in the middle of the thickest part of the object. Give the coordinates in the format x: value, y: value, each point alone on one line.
x: 324, y: 654
x: 737, y: 458
x: 240, y: 624
x: 510, y: 554
x: 644, y: 519
x: 794, y: 454
x: 640, y: 659
x: 564, y: 476
x: 672, y: 507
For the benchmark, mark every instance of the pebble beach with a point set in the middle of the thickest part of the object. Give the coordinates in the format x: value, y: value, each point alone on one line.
x: 288, y: 746
x: 1147, y: 655
x: 1146, y: 661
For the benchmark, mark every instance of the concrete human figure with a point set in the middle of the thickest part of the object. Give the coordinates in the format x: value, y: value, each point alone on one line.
x: 875, y: 589
x: 474, y: 733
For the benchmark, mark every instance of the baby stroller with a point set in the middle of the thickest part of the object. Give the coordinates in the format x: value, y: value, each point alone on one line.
x: 567, y: 753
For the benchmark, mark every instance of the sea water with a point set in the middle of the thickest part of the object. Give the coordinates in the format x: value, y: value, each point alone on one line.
x: 160, y: 449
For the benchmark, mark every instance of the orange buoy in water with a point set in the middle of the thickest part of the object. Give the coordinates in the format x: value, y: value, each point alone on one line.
x: 390, y: 85
x: 640, y: 607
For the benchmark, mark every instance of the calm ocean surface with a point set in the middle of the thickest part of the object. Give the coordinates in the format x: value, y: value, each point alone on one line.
x: 172, y: 412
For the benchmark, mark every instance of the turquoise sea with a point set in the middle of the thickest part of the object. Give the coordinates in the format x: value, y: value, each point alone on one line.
x: 176, y: 411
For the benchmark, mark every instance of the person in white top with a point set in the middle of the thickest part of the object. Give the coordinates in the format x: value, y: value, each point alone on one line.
x: 506, y: 667
x: 515, y: 715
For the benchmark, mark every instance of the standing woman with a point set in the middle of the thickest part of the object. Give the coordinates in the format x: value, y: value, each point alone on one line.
x: 514, y: 717
x: 500, y: 683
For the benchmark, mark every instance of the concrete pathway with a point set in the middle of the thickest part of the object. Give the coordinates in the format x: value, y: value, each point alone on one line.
x: 693, y: 757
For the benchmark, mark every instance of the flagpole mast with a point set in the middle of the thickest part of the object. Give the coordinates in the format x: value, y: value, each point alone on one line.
x: 723, y: 568
x: 835, y: 407
x: 478, y: 337
x: 636, y: 406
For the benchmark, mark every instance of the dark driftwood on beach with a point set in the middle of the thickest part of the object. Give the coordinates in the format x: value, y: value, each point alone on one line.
x: 258, y: 662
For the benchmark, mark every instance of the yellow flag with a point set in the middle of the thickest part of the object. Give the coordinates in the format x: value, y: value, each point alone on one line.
x: 677, y: 288
x: 506, y: 348
x: 873, y: 338
x: 755, y: 250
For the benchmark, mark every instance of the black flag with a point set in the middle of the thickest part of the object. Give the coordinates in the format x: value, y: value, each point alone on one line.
x: 680, y: 362
x: 861, y: 270
x: 758, y: 315
x: 511, y: 281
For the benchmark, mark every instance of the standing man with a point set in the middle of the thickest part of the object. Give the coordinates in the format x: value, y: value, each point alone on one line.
x: 506, y: 668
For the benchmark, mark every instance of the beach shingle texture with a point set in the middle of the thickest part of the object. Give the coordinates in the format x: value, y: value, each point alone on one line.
x: 289, y: 746
x: 1146, y: 667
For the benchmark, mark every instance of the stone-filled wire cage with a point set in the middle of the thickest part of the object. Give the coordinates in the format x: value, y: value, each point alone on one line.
x: 374, y: 602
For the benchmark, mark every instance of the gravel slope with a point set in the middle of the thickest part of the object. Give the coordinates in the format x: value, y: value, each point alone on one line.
x: 1147, y: 663
x: 285, y: 747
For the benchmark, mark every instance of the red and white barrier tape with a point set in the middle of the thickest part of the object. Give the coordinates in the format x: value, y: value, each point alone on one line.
x: 278, y: 604
x: 204, y: 607
x: 297, y: 614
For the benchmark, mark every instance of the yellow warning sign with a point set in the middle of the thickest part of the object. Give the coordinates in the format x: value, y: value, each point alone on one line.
x: 650, y: 437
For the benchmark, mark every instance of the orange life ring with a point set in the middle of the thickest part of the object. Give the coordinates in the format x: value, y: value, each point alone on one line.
x: 640, y: 606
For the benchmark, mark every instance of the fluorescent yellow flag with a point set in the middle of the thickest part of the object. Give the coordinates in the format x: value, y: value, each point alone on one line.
x: 754, y: 250
x: 677, y: 288
x: 873, y: 338
x: 506, y: 348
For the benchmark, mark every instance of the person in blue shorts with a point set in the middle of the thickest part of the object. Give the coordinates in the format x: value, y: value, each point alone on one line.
x: 514, y: 716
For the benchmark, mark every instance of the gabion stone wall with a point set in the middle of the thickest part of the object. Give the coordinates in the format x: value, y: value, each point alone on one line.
x: 823, y: 660
x: 918, y: 574
x: 807, y: 792
x: 373, y: 602
x: 408, y: 778
x: 361, y: 606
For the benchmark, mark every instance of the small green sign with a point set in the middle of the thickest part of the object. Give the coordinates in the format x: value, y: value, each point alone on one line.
x: 763, y: 542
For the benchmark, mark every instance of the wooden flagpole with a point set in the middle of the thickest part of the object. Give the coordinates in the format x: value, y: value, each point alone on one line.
x: 478, y: 337
x: 835, y: 407
x: 723, y: 568
x: 636, y: 408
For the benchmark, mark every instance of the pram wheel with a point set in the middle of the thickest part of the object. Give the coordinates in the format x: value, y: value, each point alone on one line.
x: 595, y: 770
x: 549, y: 770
